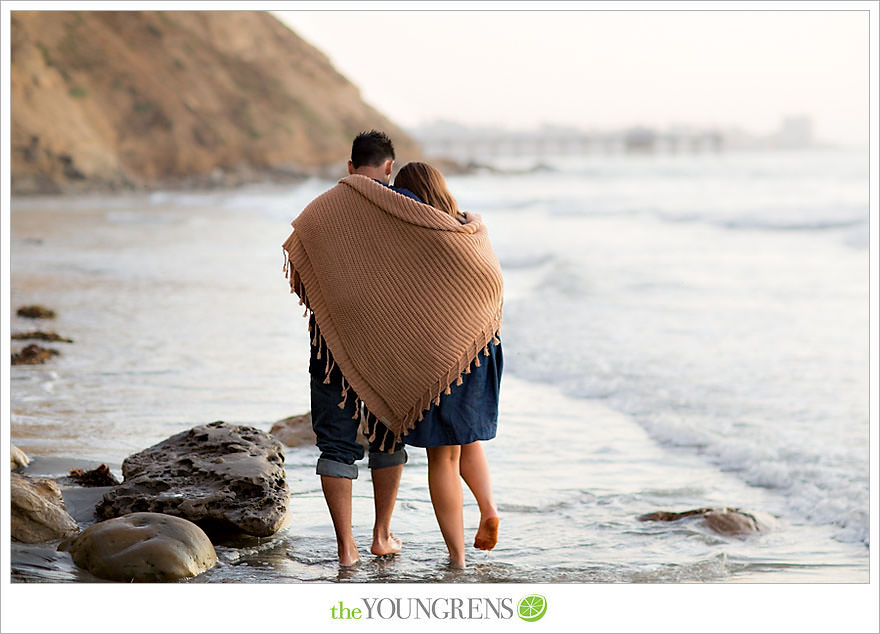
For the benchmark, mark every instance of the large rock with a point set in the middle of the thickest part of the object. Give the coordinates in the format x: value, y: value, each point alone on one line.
x: 294, y: 431
x: 19, y: 458
x: 222, y: 477
x: 38, y: 513
x: 142, y: 547
x: 726, y: 521
x: 731, y: 522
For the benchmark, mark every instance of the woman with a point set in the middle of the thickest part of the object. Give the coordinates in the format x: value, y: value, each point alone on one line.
x: 451, y: 431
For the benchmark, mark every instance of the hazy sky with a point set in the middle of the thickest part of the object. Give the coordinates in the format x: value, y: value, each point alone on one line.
x: 604, y: 69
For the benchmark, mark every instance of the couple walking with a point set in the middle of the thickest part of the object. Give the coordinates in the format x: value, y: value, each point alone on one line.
x: 403, y: 293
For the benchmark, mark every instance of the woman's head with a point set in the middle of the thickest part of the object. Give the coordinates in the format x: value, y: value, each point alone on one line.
x: 427, y: 183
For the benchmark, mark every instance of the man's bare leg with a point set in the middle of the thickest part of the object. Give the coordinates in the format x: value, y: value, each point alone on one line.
x: 386, y: 481
x: 444, y: 482
x: 337, y: 493
x: 475, y: 471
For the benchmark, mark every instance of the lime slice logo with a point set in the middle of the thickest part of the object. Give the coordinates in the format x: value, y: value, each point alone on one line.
x: 532, y: 607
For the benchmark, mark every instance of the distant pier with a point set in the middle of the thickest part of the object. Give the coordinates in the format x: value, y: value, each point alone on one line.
x: 637, y: 141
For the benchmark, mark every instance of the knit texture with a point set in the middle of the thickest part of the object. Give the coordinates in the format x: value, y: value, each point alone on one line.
x: 405, y: 296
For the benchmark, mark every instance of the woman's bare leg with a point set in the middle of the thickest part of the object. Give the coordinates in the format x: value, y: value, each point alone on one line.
x: 475, y: 471
x: 444, y: 482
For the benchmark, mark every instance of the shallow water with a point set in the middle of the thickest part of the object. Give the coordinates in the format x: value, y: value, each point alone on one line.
x: 678, y: 333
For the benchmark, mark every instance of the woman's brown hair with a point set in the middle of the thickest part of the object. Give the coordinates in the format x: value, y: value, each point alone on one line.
x: 427, y: 183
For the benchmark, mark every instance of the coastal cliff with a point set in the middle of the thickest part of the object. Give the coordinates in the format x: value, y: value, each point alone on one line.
x: 132, y: 100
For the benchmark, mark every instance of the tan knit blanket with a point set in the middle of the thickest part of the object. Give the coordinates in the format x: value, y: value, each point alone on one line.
x: 404, y: 295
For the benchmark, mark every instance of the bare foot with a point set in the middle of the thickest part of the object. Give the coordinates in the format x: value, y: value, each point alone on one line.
x: 348, y: 554
x: 487, y: 534
x: 385, y: 544
x: 456, y: 563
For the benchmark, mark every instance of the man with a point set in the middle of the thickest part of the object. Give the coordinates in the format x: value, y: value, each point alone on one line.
x: 372, y: 155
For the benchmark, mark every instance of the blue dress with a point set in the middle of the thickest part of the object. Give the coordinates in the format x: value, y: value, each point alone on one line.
x: 467, y: 414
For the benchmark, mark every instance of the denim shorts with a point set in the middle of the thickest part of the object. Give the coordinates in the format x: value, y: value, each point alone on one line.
x: 336, y: 431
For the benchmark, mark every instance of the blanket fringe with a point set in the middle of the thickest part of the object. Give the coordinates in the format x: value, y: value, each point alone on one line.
x: 370, y: 432
x: 344, y: 393
x: 328, y: 369
x: 417, y: 414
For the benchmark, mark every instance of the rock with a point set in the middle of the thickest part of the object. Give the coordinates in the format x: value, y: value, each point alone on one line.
x: 670, y: 516
x: 731, y: 522
x: 98, y: 477
x: 222, y: 477
x: 41, y: 336
x: 19, y: 458
x: 142, y: 547
x: 33, y: 355
x: 726, y: 521
x: 294, y: 431
x: 36, y: 312
x: 38, y: 513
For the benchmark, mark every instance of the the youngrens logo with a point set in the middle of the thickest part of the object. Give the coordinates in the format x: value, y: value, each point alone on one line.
x: 530, y: 608
x: 436, y: 608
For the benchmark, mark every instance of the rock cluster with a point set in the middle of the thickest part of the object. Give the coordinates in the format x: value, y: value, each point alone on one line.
x: 142, y: 547
x: 33, y: 354
x: 222, y: 477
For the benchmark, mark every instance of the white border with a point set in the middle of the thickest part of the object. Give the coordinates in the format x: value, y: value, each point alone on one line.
x: 572, y: 607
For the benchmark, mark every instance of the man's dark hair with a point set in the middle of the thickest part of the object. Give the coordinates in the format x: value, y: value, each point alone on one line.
x: 371, y: 148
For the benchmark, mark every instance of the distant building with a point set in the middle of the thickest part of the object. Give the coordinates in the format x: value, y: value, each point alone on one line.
x: 793, y: 132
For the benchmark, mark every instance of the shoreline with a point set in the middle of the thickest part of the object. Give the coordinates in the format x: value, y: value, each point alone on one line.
x: 230, y: 180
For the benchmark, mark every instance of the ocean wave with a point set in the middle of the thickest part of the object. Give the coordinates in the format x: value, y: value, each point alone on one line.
x: 525, y: 260
x: 690, y: 392
x: 766, y: 219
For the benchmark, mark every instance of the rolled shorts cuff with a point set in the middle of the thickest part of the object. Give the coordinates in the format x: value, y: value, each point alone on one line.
x: 336, y: 469
x: 381, y: 459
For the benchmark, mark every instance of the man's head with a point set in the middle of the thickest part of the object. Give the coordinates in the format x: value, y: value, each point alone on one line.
x: 372, y: 154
